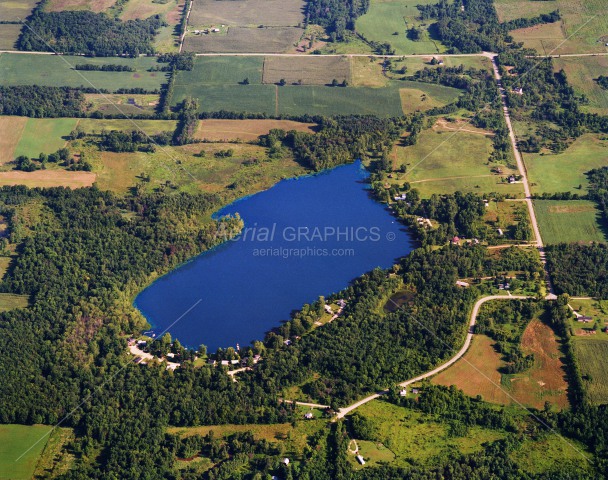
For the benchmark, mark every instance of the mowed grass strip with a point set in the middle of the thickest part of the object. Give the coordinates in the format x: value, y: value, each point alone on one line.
x: 25, y: 441
x: 565, y: 172
x: 591, y: 356
x: 12, y: 128
x: 569, y: 221
x: 245, y: 130
x: 57, y: 71
x: 308, y: 70
x: 44, y: 135
x: 10, y: 301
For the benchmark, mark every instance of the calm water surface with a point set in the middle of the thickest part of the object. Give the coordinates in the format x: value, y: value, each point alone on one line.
x: 303, y: 238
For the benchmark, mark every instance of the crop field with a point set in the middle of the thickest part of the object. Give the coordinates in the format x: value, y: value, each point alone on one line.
x: 445, y: 160
x: 309, y: 70
x: 14, y: 441
x: 581, y: 30
x: 232, y: 98
x: 270, y: 13
x: 565, y: 172
x: 591, y: 355
x: 569, y: 221
x: 221, y: 71
x: 92, y: 5
x: 47, y: 178
x: 9, y: 33
x: 58, y: 71
x: 582, y: 72
x: 12, y: 128
x: 412, y: 436
x: 44, y: 135
x: 16, y: 10
x: 245, y: 130
x: 477, y: 373
x: 245, y: 39
x: 388, y: 21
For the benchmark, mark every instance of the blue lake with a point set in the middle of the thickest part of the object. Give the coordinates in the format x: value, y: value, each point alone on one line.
x: 303, y: 238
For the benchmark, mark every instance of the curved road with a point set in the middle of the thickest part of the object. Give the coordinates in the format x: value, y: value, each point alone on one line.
x: 346, y: 410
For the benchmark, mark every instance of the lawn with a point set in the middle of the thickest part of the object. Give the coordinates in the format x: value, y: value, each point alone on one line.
x: 414, y: 437
x: 565, y: 172
x: 12, y: 128
x: 44, y: 135
x: 385, y: 18
x: 58, y: 71
x: 581, y: 30
x: 598, y: 311
x: 15, y: 441
x: 582, y: 73
x: 569, y: 221
x: 449, y: 157
x: 591, y: 355
x: 9, y: 301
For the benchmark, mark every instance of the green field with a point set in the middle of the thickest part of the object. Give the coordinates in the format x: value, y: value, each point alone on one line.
x: 57, y: 71
x: 569, y: 221
x: 445, y: 161
x: 221, y: 71
x: 44, y: 135
x: 15, y: 440
x: 9, y: 301
x: 550, y: 453
x: 14, y: 11
x: 232, y: 98
x: 385, y: 18
x: 9, y: 33
x: 591, y: 356
x: 582, y: 73
x: 414, y: 437
x: 565, y: 171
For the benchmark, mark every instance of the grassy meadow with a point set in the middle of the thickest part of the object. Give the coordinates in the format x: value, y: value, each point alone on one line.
x: 10, y: 301
x: 388, y: 21
x: 569, y: 221
x: 44, y: 135
x: 565, y: 172
x: 582, y: 73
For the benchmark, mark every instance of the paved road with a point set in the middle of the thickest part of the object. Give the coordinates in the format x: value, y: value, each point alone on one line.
x: 524, y: 178
x: 346, y: 410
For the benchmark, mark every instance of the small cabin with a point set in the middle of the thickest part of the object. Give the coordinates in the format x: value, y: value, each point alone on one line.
x: 360, y: 460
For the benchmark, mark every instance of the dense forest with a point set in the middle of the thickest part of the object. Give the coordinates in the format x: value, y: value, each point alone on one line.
x: 83, y: 32
x: 38, y: 101
x: 579, y: 270
x: 336, y: 16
